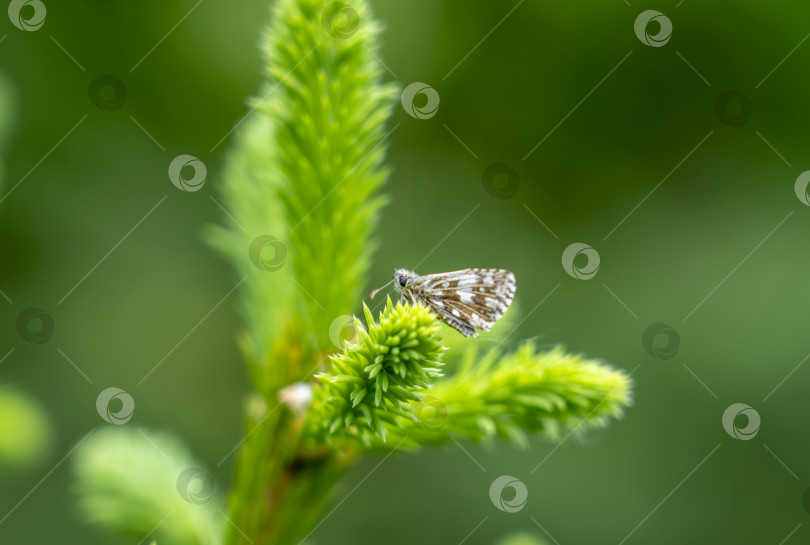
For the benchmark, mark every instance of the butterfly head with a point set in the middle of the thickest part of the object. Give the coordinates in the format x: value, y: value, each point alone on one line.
x: 402, y: 277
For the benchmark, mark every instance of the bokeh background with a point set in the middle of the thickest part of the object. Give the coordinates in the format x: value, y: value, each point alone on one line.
x: 687, y: 197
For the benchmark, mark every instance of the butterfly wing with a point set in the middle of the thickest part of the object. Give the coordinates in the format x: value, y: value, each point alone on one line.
x: 461, y: 317
x: 468, y: 299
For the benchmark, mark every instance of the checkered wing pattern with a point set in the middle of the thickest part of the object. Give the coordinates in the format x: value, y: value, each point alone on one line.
x: 465, y: 300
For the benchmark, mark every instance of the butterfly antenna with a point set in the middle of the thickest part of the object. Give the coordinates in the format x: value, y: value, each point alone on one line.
x: 375, y: 292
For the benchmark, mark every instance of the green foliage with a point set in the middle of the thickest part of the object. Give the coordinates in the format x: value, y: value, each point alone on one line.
x: 330, y: 129
x: 373, y: 382
x: 301, y: 187
x: 131, y: 484
x: 305, y: 171
x: 487, y: 396
x: 521, y: 539
x: 251, y: 194
x: 25, y: 433
x: 525, y: 391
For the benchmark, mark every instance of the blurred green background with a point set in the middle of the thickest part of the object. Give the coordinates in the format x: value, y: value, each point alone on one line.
x: 717, y: 251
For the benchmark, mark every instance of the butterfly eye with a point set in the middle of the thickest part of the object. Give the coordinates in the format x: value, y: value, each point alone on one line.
x: 402, y: 280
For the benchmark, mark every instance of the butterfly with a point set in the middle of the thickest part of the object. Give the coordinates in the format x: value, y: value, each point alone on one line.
x: 465, y: 300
